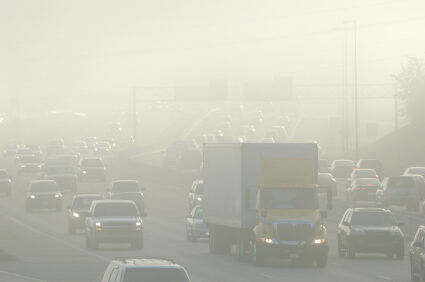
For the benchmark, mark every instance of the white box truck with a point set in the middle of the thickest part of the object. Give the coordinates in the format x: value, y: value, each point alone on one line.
x: 264, y: 199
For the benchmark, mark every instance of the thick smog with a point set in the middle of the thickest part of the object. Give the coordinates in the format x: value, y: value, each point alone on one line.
x: 227, y: 140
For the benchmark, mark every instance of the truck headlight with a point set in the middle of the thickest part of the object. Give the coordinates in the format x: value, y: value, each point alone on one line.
x: 98, y: 226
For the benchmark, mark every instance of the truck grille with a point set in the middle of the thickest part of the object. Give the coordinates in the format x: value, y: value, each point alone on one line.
x: 293, y: 232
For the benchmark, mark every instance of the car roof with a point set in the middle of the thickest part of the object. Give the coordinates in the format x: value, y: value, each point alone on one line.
x: 124, y: 180
x: 88, y: 196
x: 416, y: 167
x: 113, y: 202
x: 42, y: 181
x: 370, y: 210
x: 147, y: 262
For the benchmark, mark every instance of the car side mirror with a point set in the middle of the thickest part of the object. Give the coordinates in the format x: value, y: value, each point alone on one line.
x: 400, y: 224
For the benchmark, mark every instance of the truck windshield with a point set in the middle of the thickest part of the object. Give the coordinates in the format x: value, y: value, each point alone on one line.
x: 159, y: 274
x: 289, y: 198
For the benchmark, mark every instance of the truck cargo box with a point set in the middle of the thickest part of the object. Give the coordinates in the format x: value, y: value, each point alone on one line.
x: 233, y: 172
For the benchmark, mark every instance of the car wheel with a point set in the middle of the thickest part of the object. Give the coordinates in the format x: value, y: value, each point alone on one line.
x: 257, y: 255
x: 341, y: 252
x: 412, y: 272
x: 137, y: 244
x: 322, y: 261
x: 351, y: 253
x: 192, y: 236
x: 71, y: 229
x: 400, y: 254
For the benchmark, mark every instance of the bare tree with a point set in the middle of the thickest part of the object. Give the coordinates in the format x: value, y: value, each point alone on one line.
x: 411, y: 89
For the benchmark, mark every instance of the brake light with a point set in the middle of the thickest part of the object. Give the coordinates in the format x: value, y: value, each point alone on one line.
x: 361, y: 188
x: 370, y: 185
x: 353, y: 167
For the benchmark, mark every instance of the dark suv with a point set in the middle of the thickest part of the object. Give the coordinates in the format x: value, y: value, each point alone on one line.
x: 341, y: 169
x: 401, y: 191
x: 79, y: 210
x: 370, y: 230
x: 417, y: 255
x: 372, y: 164
x: 43, y: 194
x: 92, y: 169
x: 113, y: 221
x: 134, y: 270
x: 5, y: 182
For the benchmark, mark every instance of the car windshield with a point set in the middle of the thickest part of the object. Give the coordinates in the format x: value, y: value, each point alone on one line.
x: 29, y: 159
x: 379, y: 219
x: 116, y: 209
x: 367, y: 181
x: 364, y: 173
x: 155, y: 275
x: 200, y: 189
x: 61, y: 170
x: 128, y: 196
x: 401, y: 182
x: 289, y: 198
x: 370, y: 164
x: 343, y: 163
x: 92, y: 163
x: 3, y: 174
x: 417, y: 170
x: 44, y: 187
x: 125, y: 186
x: 84, y: 203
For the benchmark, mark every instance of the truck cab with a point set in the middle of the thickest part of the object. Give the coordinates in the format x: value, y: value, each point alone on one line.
x: 290, y: 224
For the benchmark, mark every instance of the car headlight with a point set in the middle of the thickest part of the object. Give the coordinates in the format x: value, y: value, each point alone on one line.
x: 98, y: 224
x: 266, y: 240
x: 32, y: 196
x: 319, y: 241
x: 22, y: 166
x: 76, y: 214
x: 57, y: 196
x: 84, y: 172
x: 138, y: 223
x: 199, y: 199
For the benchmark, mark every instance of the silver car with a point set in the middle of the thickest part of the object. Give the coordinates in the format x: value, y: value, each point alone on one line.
x: 195, y: 226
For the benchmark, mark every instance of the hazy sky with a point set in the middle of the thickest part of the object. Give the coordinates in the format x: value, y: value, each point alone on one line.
x: 92, y: 48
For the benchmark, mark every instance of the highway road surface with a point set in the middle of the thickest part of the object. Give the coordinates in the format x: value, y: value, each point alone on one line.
x: 37, y: 247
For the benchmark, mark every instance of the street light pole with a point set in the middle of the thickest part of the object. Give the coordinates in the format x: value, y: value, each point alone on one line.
x: 134, y: 115
x: 356, y: 100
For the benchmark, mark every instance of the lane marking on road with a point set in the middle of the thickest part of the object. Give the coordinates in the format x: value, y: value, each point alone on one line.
x: 267, y: 276
x: 11, y: 274
x: 63, y: 242
x: 385, y: 278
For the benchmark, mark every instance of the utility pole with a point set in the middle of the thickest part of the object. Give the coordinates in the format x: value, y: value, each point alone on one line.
x: 395, y: 109
x: 134, y: 115
x: 356, y: 100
